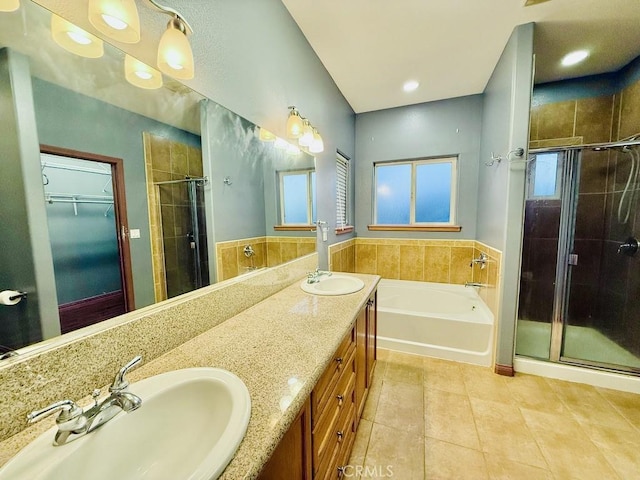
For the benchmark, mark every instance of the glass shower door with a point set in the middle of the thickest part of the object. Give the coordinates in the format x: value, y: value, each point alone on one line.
x: 601, y: 317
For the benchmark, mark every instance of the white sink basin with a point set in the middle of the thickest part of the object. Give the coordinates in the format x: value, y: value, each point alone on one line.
x: 188, y: 427
x: 333, y: 285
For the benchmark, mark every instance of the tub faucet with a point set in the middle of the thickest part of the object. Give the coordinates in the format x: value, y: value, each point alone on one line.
x: 314, y: 277
x: 475, y: 284
x: 73, y: 422
x: 482, y: 260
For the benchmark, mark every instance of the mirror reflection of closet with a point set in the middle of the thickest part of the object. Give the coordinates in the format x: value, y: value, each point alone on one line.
x: 92, y: 265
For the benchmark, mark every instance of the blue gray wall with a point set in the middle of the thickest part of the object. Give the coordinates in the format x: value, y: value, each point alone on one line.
x: 70, y: 120
x: 501, y: 187
x: 443, y: 128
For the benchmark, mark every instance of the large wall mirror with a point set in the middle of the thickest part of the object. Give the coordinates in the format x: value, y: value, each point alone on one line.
x: 147, y: 193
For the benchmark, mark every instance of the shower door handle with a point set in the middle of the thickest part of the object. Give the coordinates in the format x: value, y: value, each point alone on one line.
x: 573, y: 259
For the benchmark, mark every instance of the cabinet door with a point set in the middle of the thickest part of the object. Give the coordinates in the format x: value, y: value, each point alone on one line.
x: 292, y: 456
x: 361, y: 361
x: 372, y: 335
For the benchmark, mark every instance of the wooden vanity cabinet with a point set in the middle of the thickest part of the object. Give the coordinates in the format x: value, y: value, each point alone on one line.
x: 318, y: 444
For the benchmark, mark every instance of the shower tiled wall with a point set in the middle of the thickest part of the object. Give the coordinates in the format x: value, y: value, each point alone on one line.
x: 268, y: 252
x: 169, y: 214
x: 605, y: 285
x: 439, y: 261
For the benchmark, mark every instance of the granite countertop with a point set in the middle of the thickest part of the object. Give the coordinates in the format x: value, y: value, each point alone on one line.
x: 278, y: 347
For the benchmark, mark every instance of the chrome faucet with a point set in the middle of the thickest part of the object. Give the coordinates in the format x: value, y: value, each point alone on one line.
x: 482, y: 260
x: 314, y: 277
x: 73, y: 422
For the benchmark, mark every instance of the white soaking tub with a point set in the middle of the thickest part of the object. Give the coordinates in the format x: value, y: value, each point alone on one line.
x: 436, y: 320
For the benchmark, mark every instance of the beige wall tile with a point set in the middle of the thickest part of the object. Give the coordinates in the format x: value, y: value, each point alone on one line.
x: 630, y: 111
x: 366, y: 258
x: 351, y: 258
x: 460, y: 270
x: 288, y: 250
x: 229, y: 262
x: 274, y: 257
x: 556, y: 120
x: 412, y: 262
x: 388, y: 261
x: 593, y: 119
x: 305, y: 248
x: 179, y: 159
x: 615, y: 123
x: 437, y: 261
x: 533, y: 122
x: 336, y: 262
x: 195, y: 161
x: 160, y: 153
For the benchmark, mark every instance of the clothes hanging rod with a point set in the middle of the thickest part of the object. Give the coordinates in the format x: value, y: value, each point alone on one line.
x: 205, y: 180
x: 61, y: 166
x: 589, y: 146
x: 70, y: 200
x: 78, y: 196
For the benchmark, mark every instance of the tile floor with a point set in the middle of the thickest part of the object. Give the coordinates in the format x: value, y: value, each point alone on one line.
x: 435, y: 419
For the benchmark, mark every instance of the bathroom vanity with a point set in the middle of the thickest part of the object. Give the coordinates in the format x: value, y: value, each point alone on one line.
x: 318, y: 444
x: 306, y: 360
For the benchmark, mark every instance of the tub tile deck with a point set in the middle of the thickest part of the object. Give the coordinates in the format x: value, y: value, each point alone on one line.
x: 478, y: 425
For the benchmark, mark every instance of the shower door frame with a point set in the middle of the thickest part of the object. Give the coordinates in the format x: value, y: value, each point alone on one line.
x: 569, y: 201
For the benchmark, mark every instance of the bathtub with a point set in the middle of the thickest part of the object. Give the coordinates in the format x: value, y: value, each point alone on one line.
x: 436, y: 320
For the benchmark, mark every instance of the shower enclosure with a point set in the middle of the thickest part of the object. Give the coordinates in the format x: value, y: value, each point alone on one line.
x: 580, y: 276
x: 184, y: 234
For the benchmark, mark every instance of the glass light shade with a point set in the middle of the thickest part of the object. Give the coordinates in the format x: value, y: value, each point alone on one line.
x: 9, y: 5
x: 118, y: 19
x: 294, y: 124
x: 175, y: 57
x: 307, y: 134
x: 317, y: 146
x: 140, y: 74
x: 266, y: 135
x: 74, y: 39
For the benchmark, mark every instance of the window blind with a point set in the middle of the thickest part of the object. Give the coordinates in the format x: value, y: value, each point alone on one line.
x: 342, y: 180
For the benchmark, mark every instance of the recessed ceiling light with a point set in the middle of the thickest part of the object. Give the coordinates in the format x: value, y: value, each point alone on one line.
x: 410, y: 86
x: 574, y: 57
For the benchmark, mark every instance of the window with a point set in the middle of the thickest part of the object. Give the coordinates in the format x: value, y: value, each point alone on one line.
x: 297, y: 197
x: 342, y: 192
x: 418, y: 192
x: 544, y: 177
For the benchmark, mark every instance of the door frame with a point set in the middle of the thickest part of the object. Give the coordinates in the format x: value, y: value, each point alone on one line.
x: 120, y: 211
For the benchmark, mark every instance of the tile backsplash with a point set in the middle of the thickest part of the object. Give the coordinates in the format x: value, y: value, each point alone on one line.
x: 438, y: 261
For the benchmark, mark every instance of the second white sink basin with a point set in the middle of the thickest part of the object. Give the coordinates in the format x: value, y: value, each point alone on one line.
x: 189, y: 426
x: 333, y: 285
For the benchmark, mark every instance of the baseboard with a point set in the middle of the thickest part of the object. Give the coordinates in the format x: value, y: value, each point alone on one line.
x: 506, y: 370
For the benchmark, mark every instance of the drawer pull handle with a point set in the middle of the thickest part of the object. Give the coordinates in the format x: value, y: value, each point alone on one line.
x: 340, y: 472
x: 340, y: 436
x: 340, y: 400
x: 339, y: 360
x: 369, y: 303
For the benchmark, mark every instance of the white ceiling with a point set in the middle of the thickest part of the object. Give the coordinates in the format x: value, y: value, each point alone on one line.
x: 371, y: 47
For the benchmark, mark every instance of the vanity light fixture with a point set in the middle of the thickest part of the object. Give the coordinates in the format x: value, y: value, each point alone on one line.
x: 9, y: 5
x: 175, y: 57
x: 317, y: 145
x: 117, y: 19
x: 307, y: 134
x: 74, y: 39
x: 140, y: 74
x: 574, y: 58
x: 294, y: 123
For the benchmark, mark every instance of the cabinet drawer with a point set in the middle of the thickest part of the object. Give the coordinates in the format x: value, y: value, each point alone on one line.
x: 341, y: 447
x: 324, y: 388
x: 341, y: 400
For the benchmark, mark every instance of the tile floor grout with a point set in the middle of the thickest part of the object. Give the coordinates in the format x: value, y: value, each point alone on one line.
x: 481, y: 400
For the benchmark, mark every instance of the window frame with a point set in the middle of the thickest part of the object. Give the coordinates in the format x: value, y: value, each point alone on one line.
x: 343, y: 213
x: 451, y: 159
x: 531, y: 183
x: 283, y: 173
